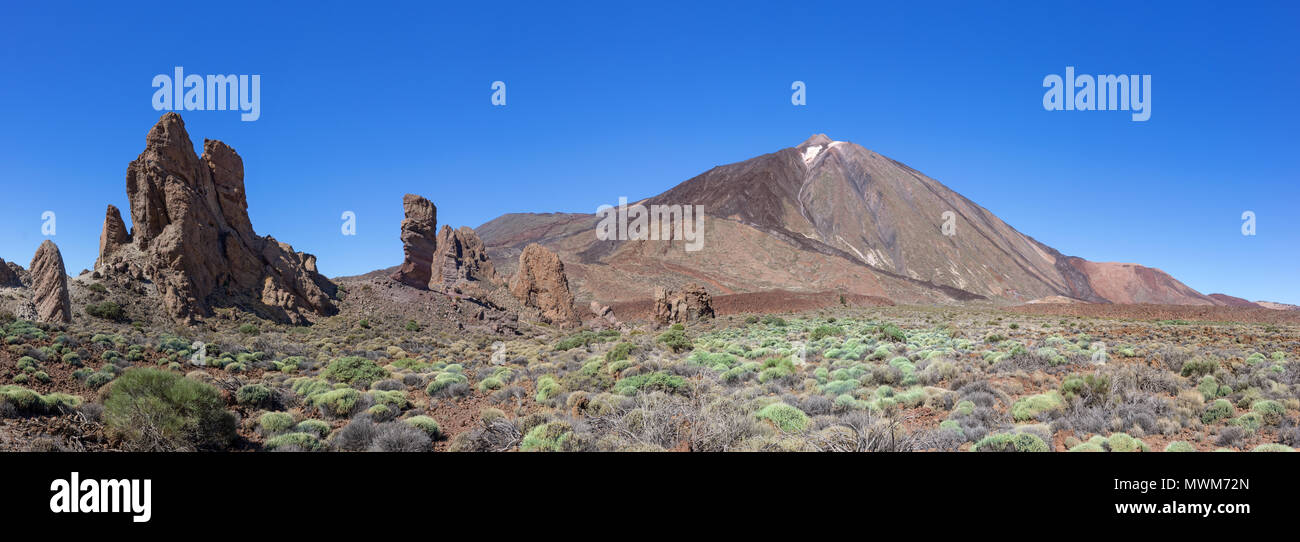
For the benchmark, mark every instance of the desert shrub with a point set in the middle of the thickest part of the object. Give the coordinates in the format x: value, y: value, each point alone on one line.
x: 620, y: 352
x: 1198, y: 367
x: 1273, y: 448
x: 275, y: 422
x: 412, y: 325
x: 676, y: 340
x: 444, y: 382
x: 296, y: 441
x: 106, y: 310
x: 658, y: 380
x: 253, y: 395
x: 399, y: 437
x: 547, y: 437
x: 547, y: 388
x: 1030, y: 408
x: 821, y: 332
x: 1210, y: 388
x: 1232, y: 436
x: 426, y: 424
x: 1250, y: 421
x: 1011, y: 442
x: 1218, y: 410
x: 356, y: 436
x: 1271, y: 412
x: 20, y: 400
x: 1180, y: 446
x: 891, y: 333
x: 490, y: 383
x: 155, y: 410
x: 337, y: 403
x: 353, y: 370
x: 315, y: 427
x: 249, y: 329
x: 1123, y: 442
x: 787, y: 418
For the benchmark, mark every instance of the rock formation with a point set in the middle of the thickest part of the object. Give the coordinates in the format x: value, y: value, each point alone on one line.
x: 461, y: 259
x: 114, y: 235
x: 8, y: 276
x: 692, y: 303
x: 50, y: 285
x: 418, y: 241
x: 193, y: 239
x: 605, y: 315
x: 540, y: 283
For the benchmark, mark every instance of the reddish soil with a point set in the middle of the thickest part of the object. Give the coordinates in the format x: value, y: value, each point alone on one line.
x: 1197, y: 313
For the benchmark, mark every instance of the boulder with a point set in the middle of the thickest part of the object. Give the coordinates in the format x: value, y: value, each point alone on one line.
x: 50, y: 285
x: 692, y: 303
x: 540, y: 283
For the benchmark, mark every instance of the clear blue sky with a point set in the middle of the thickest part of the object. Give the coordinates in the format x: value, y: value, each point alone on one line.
x: 363, y: 102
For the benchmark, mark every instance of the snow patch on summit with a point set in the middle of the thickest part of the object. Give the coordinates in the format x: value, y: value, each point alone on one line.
x: 810, y: 154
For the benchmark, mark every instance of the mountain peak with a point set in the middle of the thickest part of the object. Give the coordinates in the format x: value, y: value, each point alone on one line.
x: 816, y: 139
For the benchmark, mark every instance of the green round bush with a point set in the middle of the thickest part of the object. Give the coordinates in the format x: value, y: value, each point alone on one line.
x: 426, y: 424
x: 313, y: 426
x: 1180, y: 446
x: 1011, y: 442
x: 787, y: 418
x: 155, y: 410
x: 253, y: 395
x: 1218, y: 410
x: 275, y: 422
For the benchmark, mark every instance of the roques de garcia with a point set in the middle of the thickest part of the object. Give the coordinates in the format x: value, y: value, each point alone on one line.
x: 192, y: 92
x: 1100, y: 93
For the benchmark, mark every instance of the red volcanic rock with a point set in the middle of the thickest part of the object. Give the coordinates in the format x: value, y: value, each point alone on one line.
x: 419, y: 228
x: 50, y: 285
x: 1230, y: 301
x: 692, y: 303
x: 460, y: 259
x: 193, y: 239
x: 540, y: 283
x: 114, y: 234
x: 8, y: 276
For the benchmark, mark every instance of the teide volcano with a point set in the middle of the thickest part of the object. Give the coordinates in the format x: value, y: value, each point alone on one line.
x: 832, y: 216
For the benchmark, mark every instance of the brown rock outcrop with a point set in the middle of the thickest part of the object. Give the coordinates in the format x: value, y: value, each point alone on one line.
x: 460, y: 259
x: 419, y: 228
x: 692, y: 303
x: 114, y: 234
x: 193, y: 239
x: 50, y: 285
x: 540, y: 283
x: 8, y: 276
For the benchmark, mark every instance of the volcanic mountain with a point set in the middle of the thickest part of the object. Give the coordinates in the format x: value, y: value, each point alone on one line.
x: 831, y: 216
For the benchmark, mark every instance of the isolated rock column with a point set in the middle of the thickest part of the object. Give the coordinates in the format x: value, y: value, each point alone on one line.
x: 419, y: 241
x: 50, y: 285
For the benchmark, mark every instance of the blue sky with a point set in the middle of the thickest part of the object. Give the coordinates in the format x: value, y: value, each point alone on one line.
x: 363, y: 102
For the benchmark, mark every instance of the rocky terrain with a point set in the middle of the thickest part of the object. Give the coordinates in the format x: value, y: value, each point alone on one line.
x: 814, y: 319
